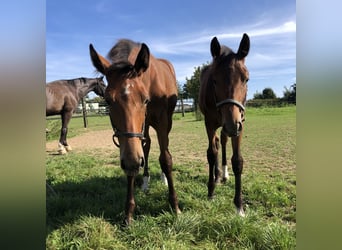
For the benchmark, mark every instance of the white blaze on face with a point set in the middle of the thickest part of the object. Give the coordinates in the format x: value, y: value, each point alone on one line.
x: 127, y: 88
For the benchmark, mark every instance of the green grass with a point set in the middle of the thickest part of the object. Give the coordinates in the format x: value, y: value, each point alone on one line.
x: 87, y: 209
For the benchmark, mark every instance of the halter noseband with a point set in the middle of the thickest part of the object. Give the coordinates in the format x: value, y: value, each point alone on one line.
x: 118, y: 133
x: 230, y: 101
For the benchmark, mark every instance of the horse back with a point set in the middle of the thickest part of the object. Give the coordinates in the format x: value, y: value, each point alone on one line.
x: 59, y: 96
x: 162, y: 79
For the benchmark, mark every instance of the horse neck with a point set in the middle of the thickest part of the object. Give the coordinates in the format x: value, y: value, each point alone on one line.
x: 160, y: 69
x: 83, y: 88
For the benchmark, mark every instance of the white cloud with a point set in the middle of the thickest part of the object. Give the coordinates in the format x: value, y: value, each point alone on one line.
x: 288, y: 27
x: 199, y: 42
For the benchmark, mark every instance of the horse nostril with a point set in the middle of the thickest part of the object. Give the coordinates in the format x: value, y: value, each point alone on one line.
x: 239, y: 126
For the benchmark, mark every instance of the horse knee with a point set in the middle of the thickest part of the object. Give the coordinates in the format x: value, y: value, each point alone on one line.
x: 211, y: 157
x: 165, y: 161
x: 237, y: 163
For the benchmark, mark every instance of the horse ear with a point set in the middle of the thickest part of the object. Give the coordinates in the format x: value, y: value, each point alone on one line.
x: 143, y: 58
x: 99, y: 62
x: 244, y: 46
x: 215, y: 47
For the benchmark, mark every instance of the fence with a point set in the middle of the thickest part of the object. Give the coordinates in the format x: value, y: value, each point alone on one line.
x: 269, y: 103
x: 180, y: 107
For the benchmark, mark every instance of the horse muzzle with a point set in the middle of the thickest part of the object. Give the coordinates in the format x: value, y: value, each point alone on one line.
x: 132, y: 166
x: 232, y: 130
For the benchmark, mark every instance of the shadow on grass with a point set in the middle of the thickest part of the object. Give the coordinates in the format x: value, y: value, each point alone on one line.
x: 101, y: 197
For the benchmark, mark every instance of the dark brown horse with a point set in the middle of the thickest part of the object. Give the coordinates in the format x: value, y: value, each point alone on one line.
x: 222, y: 97
x: 62, y: 98
x: 141, y: 92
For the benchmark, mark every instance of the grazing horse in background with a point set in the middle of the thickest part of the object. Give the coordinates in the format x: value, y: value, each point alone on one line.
x: 222, y: 95
x: 141, y: 92
x: 63, y: 96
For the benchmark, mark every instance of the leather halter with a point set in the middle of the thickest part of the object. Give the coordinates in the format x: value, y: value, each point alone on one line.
x: 118, y: 133
x: 230, y: 101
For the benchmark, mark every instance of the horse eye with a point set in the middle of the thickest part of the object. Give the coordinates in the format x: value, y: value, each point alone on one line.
x: 245, y: 80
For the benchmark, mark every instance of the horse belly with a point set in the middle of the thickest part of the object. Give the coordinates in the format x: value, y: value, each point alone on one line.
x: 54, y: 104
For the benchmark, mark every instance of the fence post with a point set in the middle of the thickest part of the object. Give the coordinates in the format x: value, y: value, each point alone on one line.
x: 182, y: 105
x: 85, y: 121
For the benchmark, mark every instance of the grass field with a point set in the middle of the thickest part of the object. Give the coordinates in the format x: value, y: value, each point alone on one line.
x: 87, y: 208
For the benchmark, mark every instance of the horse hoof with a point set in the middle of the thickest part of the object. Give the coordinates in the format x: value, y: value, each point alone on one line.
x: 211, y: 197
x: 68, y: 148
x: 61, y: 149
x: 163, y: 179
x: 127, y: 222
x: 146, y: 180
x: 240, y: 212
x: 178, y: 211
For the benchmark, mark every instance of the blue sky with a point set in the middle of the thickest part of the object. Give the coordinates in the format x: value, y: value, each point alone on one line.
x: 179, y: 31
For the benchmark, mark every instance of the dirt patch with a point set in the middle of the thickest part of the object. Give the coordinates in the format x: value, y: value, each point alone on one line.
x: 85, y: 142
x: 91, y: 141
x: 100, y: 143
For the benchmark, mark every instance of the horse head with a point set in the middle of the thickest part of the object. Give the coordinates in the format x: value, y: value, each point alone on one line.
x: 100, y: 87
x: 229, y: 76
x: 127, y: 97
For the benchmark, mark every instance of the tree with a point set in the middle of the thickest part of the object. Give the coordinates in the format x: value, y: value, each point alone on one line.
x: 192, y: 85
x: 258, y: 95
x: 180, y: 97
x: 290, y: 94
x: 267, y: 93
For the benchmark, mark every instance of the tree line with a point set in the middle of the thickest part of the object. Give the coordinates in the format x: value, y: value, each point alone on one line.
x: 266, y: 98
x: 191, y: 90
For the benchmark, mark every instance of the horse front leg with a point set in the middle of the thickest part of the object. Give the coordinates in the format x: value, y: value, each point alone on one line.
x: 130, y: 202
x: 63, y: 145
x: 237, y: 163
x: 165, y: 160
x: 146, y: 147
x: 212, y: 154
x: 225, y: 174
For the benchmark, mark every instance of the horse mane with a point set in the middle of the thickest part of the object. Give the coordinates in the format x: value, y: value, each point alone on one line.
x: 226, y: 52
x: 72, y: 81
x: 119, y: 55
